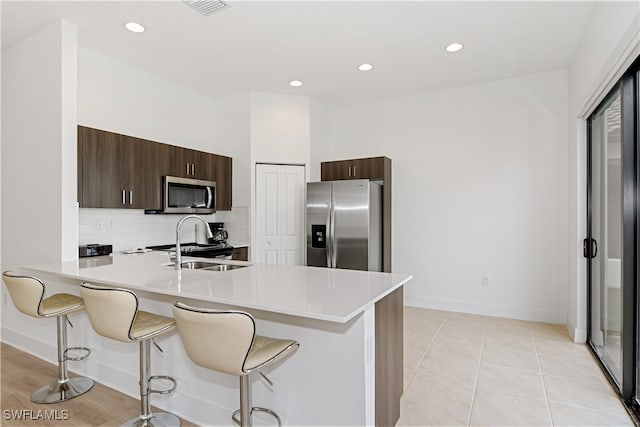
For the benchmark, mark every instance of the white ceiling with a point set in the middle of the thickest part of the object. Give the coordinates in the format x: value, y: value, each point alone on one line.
x: 262, y: 45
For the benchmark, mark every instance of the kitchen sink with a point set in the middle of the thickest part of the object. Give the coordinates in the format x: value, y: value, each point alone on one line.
x: 197, y: 249
x: 207, y: 265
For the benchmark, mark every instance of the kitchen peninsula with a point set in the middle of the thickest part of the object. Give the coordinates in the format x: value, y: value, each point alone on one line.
x: 348, y: 370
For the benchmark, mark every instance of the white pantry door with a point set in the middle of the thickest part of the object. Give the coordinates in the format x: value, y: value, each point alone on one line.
x: 280, y: 209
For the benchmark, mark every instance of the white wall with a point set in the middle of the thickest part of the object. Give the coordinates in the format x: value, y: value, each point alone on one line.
x: 320, y: 136
x: 39, y: 209
x: 479, y: 188
x: 611, y: 41
x: 231, y: 131
x: 280, y: 130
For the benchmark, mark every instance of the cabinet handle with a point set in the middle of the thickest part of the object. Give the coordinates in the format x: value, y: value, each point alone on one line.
x: 349, y: 170
x: 187, y: 165
x: 193, y: 169
x: 130, y: 197
x: 124, y: 201
x: 354, y: 171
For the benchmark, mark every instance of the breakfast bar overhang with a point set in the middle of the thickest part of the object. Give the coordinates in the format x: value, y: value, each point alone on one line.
x: 348, y: 370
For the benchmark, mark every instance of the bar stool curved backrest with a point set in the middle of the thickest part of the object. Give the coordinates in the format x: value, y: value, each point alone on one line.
x: 114, y: 314
x: 112, y: 311
x: 27, y: 294
x: 226, y: 341
x: 217, y: 340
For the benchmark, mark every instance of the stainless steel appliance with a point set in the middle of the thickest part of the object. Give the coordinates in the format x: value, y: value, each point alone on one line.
x: 187, y: 196
x: 220, y: 235
x: 344, y: 224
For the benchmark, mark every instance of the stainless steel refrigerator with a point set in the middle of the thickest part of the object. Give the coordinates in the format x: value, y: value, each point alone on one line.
x: 344, y: 224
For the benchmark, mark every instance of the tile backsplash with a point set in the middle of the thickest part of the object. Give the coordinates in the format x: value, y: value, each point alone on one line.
x: 130, y: 228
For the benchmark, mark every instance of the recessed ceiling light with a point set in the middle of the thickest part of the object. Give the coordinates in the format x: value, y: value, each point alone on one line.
x: 453, y: 47
x: 134, y: 27
x: 295, y: 83
x: 365, y: 67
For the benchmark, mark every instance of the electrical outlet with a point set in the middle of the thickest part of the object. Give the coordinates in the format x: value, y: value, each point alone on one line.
x: 110, y: 225
x: 99, y: 225
x: 485, y: 281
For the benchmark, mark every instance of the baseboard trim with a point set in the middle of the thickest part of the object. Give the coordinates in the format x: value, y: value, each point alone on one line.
x: 579, y: 335
x: 510, y: 312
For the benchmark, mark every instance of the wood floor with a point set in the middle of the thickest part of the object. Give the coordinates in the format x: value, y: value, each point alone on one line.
x: 22, y: 374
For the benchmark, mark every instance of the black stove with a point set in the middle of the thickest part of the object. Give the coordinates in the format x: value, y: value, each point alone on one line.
x: 216, y: 247
x: 213, y: 250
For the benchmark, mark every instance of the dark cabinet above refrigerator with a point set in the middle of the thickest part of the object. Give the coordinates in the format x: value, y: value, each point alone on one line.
x: 365, y: 168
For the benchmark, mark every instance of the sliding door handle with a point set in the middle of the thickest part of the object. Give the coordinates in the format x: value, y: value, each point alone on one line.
x: 589, y: 248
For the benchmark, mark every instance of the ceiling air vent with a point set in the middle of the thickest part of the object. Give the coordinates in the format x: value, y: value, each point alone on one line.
x: 205, y: 7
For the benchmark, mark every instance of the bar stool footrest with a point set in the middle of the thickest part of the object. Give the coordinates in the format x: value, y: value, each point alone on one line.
x: 86, y: 350
x: 158, y: 419
x: 162, y: 377
x: 236, y: 414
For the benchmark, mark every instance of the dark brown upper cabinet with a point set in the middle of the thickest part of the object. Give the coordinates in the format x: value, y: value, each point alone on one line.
x: 366, y: 168
x: 124, y: 172
x: 188, y: 163
x: 224, y: 186
x: 114, y: 170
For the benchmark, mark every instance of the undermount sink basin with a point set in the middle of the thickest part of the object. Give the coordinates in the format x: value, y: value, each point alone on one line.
x: 196, y: 265
x: 207, y: 265
x: 224, y: 267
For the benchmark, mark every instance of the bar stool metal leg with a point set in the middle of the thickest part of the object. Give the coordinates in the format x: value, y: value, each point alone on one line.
x: 245, y: 401
x: 246, y: 409
x: 147, y: 418
x: 65, y: 388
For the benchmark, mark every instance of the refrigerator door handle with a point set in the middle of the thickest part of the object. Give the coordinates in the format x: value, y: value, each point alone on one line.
x: 328, y: 235
x: 334, y: 250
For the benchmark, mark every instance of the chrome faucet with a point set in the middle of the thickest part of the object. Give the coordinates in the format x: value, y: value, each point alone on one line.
x: 178, y: 265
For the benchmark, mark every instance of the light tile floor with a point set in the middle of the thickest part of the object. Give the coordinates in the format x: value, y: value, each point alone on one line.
x: 469, y: 370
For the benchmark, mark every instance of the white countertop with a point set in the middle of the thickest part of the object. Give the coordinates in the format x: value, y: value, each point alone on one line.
x: 238, y: 244
x: 317, y: 293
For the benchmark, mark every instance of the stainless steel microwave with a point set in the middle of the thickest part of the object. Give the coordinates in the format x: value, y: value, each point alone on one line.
x: 185, y: 195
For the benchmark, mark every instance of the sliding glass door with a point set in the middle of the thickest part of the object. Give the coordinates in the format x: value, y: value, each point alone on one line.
x: 606, y: 234
x: 611, y: 246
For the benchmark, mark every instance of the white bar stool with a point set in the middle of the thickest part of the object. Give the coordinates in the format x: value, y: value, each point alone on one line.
x: 27, y: 294
x: 226, y: 341
x: 114, y: 314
